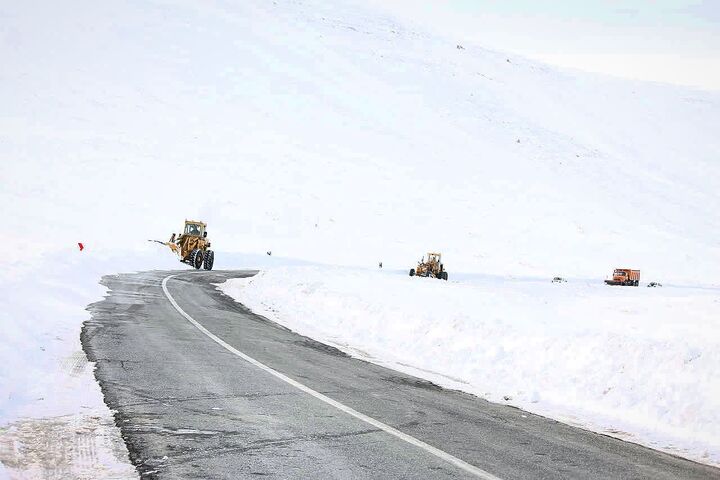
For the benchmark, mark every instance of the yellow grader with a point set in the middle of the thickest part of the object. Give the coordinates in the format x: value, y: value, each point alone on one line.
x: 192, y: 246
x: 433, y: 267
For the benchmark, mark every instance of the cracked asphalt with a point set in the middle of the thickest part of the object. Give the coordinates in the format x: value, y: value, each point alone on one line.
x: 189, y: 409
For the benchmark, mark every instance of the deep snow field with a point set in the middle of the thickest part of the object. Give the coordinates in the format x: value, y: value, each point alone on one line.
x: 336, y: 134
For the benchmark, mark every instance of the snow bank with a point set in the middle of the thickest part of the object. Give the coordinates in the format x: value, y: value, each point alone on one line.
x: 44, y: 305
x: 50, y: 404
x: 637, y: 363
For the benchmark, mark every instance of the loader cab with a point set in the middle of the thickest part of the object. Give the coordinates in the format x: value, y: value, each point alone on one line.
x: 194, y: 229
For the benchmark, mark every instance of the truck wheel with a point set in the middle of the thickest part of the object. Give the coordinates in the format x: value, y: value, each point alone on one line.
x: 209, y: 260
x: 412, y: 272
x: 196, y: 258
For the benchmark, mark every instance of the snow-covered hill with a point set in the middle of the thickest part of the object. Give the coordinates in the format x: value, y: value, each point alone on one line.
x: 338, y: 134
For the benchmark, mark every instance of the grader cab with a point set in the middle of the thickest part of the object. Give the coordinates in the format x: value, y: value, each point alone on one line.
x: 192, y: 246
x: 432, y: 267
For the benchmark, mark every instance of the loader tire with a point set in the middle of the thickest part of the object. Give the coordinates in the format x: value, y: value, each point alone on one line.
x: 209, y: 260
x: 412, y: 272
x: 196, y: 258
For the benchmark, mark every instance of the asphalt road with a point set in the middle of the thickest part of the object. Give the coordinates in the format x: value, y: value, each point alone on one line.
x: 190, y: 408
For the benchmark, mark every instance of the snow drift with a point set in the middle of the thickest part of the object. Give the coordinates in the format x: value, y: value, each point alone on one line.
x: 636, y: 363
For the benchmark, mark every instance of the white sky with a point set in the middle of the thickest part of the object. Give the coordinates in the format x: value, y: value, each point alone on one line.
x: 673, y: 41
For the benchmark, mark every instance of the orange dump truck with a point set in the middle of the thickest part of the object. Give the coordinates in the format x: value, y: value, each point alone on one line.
x: 625, y: 276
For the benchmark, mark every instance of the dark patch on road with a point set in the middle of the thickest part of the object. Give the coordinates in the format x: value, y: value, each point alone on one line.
x: 320, y: 347
x: 414, y: 382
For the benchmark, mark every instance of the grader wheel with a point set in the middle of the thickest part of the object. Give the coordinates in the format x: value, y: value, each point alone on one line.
x: 209, y: 260
x: 196, y: 258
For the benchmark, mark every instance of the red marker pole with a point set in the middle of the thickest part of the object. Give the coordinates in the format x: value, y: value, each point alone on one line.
x: 81, y: 246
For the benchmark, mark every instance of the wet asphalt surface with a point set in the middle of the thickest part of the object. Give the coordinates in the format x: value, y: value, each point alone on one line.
x: 189, y: 409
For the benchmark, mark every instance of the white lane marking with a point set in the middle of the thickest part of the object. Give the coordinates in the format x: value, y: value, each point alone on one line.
x: 376, y: 423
